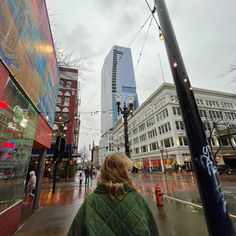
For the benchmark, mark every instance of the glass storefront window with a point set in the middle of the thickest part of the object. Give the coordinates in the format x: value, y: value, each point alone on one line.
x: 18, y: 122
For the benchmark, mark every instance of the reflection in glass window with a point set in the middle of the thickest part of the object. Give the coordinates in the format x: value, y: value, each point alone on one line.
x: 17, y: 125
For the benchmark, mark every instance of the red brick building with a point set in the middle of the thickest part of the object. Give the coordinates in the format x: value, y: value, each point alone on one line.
x: 67, y: 120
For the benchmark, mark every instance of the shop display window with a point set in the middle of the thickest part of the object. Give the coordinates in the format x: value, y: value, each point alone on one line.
x: 18, y: 122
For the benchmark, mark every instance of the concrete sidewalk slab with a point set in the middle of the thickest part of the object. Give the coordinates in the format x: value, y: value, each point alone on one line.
x: 49, y: 221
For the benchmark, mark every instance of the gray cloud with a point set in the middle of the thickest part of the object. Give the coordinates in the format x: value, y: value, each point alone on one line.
x: 206, y: 33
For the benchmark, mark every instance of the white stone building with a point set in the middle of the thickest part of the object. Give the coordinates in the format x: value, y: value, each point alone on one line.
x: 156, y: 129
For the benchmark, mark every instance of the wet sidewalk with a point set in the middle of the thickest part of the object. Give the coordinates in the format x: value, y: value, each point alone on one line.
x: 49, y: 221
x: 173, y: 219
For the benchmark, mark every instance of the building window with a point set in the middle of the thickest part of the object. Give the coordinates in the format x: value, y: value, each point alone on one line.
x: 136, y: 151
x: 144, y: 148
x: 183, y: 141
x: 62, y: 83
x: 164, y: 128
x: 162, y: 115
x: 224, y: 141
x: 141, y: 127
x: 135, y: 140
x: 66, y: 101
x: 168, y: 142
x: 59, y: 98
x: 153, y: 146
x: 143, y: 137
x: 65, y: 116
x: 151, y: 122
x: 135, y: 131
x: 68, y: 83
x: 57, y: 114
x: 176, y: 111
x: 152, y: 133
x: 179, y: 125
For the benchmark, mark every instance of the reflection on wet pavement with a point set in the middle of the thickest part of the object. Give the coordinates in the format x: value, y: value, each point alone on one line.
x: 175, y: 218
x: 66, y: 193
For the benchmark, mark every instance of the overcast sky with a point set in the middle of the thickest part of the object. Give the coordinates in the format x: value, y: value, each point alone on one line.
x: 205, y: 30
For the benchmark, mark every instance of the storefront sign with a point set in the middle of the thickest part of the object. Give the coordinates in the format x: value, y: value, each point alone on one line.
x: 7, y: 145
x: 3, y: 104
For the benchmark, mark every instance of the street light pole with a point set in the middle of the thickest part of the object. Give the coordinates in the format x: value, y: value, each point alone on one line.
x: 60, y: 146
x: 162, y: 164
x: 125, y: 116
x: 126, y: 111
x: 214, y: 204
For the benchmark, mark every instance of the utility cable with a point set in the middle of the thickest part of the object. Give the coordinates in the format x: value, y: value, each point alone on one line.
x: 145, y: 39
x: 158, y: 25
x: 138, y: 31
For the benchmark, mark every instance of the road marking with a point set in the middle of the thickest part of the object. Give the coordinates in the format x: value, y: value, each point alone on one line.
x: 191, y: 204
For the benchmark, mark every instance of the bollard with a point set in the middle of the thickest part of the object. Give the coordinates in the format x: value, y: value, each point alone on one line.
x: 159, y: 195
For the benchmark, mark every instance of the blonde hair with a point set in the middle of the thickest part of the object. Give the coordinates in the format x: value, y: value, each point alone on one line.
x: 115, y: 173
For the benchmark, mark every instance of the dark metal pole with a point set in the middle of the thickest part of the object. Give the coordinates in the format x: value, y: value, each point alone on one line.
x: 92, y: 150
x: 125, y: 115
x: 214, y: 204
x: 56, y: 157
x: 55, y: 176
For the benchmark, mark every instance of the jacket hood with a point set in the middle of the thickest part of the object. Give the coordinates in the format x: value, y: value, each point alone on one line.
x: 32, y: 173
x: 102, y: 188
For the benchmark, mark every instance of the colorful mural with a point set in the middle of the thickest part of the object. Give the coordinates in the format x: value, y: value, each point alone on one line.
x: 26, y: 48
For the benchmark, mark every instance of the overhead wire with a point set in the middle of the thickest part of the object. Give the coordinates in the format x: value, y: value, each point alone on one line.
x: 158, y: 25
x: 139, y: 31
x: 145, y: 39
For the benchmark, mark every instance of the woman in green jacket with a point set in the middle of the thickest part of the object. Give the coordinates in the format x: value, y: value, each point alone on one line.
x: 115, y: 208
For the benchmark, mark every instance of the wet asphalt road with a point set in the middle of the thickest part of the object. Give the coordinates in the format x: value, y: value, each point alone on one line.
x: 182, y: 213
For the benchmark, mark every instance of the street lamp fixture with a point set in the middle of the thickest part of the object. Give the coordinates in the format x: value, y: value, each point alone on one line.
x: 125, y: 111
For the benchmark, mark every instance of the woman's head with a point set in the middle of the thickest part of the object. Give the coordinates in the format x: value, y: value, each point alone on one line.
x: 32, y: 173
x: 116, y: 168
x: 115, y: 172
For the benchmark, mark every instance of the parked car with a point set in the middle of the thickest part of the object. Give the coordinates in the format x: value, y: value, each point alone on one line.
x: 224, y: 169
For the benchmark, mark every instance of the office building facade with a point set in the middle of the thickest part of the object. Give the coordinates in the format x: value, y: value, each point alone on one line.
x: 117, y: 78
x: 157, y: 132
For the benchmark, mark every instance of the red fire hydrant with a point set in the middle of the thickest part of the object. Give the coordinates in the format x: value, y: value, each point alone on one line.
x: 159, y: 195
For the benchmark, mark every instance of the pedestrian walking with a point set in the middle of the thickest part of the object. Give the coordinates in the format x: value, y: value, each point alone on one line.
x: 87, y: 173
x: 80, y: 178
x: 115, y: 207
x: 31, y: 186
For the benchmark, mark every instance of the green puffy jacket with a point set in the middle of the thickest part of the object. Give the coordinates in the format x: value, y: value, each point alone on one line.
x: 100, y: 216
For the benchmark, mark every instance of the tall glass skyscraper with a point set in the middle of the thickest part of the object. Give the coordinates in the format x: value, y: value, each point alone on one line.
x: 117, y: 77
